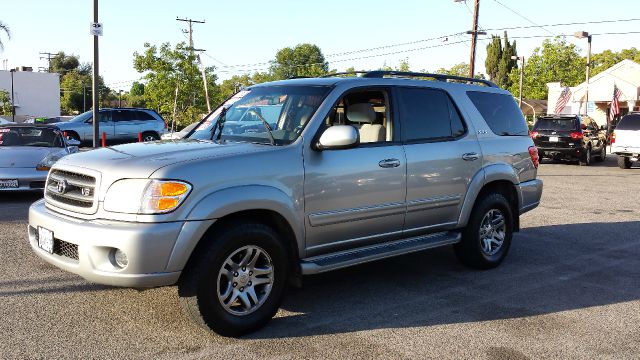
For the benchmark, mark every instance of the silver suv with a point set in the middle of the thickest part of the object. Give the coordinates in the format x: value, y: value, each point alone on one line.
x: 341, y: 171
x: 118, y: 124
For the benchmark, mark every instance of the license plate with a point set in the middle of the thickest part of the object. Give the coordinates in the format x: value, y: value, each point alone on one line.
x: 45, y: 239
x: 553, y: 138
x: 8, y: 183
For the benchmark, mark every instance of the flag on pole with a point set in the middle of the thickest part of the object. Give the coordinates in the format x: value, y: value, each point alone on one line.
x: 615, y: 106
x: 565, y: 95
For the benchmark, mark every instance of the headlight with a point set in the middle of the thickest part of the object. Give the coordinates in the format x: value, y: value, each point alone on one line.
x: 48, y: 161
x: 144, y: 196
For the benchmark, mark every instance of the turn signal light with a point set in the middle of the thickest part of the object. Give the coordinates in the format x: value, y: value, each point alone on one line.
x: 613, y: 138
x: 534, y: 134
x: 173, y: 189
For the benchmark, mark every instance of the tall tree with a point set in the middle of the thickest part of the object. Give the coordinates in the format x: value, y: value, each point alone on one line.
x: 494, y: 55
x: 506, y: 63
x: 166, y: 68
x: 606, y: 59
x: 554, y: 61
x: 5, y: 103
x: 461, y: 69
x: 301, y: 60
x: 4, y: 29
x: 63, y: 63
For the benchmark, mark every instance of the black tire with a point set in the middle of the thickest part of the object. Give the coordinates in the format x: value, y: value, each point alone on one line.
x: 150, y: 136
x: 470, y: 250
x: 73, y: 135
x: 624, y: 162
x: 603, y: 153
x: 586, y: 159
x: 200, y: 282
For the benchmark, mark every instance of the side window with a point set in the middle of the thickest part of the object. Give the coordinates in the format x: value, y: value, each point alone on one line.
x: 366, y: 110
x: 120, y: 116
x: 105, y: 116
x: 142, y: 115
x: 428, y: 114
x: 500, y: 112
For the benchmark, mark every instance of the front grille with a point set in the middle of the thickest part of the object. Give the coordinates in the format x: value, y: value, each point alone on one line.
x: 63, y: 248
x: 70, y: 189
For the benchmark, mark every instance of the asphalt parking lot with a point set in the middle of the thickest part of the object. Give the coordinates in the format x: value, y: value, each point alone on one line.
x: 570, y: 288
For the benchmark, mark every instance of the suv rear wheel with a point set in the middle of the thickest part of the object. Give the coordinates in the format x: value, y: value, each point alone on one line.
x: 586, y: 160
x: 603, y: 153
x: 487, y: 237
x: 235, y: 284
x: 150, y: 136
x: 624, y: 162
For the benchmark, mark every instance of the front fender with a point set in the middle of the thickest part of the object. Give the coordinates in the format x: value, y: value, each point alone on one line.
x: 252, y: 197
x: 487, y: 174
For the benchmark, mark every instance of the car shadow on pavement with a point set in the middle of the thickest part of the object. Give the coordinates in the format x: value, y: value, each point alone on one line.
x: 549, y: 269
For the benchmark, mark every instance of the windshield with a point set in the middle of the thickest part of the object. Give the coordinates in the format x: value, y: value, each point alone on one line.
x: 562, y: 124
x: 83, y: 117
x: 258, y: 114
x: 31, y: 136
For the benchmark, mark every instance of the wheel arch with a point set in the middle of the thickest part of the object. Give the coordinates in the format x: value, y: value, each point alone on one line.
x: 499, y: 178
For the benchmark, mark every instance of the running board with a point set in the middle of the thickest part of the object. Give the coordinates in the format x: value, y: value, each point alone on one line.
x: 342, y: 259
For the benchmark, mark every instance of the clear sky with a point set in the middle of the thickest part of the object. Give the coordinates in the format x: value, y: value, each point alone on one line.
x: 251, y: 31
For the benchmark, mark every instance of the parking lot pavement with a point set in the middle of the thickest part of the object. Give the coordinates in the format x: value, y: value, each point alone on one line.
x: 570, y: 288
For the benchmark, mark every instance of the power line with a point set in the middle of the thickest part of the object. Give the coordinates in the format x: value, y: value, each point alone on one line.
x: 522, y: 16
x: 48, y: 56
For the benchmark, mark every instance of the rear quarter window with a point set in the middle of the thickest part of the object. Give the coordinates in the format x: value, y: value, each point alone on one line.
x: 500, y: 112
x: 629, y: 122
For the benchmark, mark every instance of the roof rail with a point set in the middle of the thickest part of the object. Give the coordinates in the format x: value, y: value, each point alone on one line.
x: 345, y: 73
x: 439, y: 77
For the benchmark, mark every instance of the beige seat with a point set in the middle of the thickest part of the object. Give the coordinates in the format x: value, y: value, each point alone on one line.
x: 364, y: 113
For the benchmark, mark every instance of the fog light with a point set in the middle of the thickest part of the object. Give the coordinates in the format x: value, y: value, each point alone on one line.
x: 120, y: 258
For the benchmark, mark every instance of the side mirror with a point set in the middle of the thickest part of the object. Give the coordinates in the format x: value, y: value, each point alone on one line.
x: 338, y: 137
x: 73, y: 149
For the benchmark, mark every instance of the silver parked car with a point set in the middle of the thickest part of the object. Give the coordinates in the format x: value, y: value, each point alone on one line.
x: 342, y: 171
x: 27, y: 152
x: 118, y: 124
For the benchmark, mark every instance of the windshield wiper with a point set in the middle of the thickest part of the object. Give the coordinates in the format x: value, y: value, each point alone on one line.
x: 266, y: 126
x: 219, y: 124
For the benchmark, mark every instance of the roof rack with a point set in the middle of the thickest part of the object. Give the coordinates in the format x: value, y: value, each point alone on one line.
x: 439, y: 77
x: 345, y: 73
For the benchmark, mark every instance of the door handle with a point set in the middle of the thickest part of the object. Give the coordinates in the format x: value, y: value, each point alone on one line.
x: 389, y: 163
x: 470, y: 156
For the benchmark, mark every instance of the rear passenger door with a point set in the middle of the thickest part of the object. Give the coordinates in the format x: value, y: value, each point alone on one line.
x: 442, y: 158
x: 126, y: 124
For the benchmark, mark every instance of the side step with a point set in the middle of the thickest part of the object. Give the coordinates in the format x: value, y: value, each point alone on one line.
x: 342, y: 259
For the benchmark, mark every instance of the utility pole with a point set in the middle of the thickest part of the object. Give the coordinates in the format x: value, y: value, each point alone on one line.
x: 96, y: 93
x: 474, y: 37
x: 48, y: 56
x: 13, y: 102
x: 204, y: 75
x: 582, y: 35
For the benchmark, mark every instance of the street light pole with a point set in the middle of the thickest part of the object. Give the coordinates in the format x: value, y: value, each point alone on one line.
x: 521, y: 58
x: 96, y: 93
x: 582, y: 35
x: 13, y: 103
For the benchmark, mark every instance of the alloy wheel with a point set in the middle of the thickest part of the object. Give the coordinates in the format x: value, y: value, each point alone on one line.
x: 492, y: 232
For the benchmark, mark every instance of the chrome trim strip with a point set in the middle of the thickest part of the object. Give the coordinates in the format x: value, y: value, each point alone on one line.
x: 355, y: 214
x: 433, y: 203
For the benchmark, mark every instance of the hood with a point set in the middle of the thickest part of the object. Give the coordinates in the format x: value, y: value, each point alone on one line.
x: 140, y: 160
x: 24, y: 156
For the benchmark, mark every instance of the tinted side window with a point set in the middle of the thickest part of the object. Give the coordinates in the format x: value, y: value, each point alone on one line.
x: 500, y: 112
x: 425, y: 114
x: 629, y: 122
x: 143, y: 115
x: 119, y: 115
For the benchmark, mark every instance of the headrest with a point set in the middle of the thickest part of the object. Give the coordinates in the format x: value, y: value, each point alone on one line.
x: 361, y: 113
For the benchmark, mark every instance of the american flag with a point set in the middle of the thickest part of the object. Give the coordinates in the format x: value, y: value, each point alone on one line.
x: 563, y: 99
x: 615, y: 106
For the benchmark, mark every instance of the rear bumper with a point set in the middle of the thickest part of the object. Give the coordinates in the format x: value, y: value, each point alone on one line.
x: 529, y: 193
x: 561, y: 152
x: 625, y: 150
x: 28, y: 178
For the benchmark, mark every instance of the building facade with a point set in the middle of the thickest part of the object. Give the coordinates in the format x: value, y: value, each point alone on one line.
x: 625, y: 75
x: 35, y: 94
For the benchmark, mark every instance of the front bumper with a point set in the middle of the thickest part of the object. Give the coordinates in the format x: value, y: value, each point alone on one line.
x: 28, y: 178
x: 148, y: 246
x: 529, y: 193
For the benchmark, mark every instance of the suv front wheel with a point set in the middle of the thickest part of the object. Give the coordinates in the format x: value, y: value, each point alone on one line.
x: 487, y: 237
x: 235, y: 284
